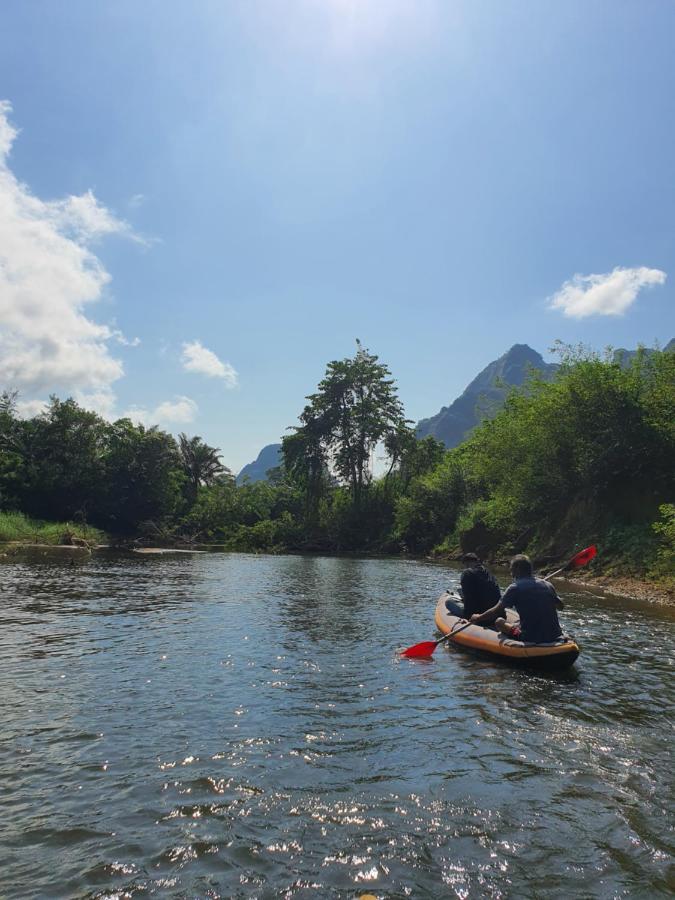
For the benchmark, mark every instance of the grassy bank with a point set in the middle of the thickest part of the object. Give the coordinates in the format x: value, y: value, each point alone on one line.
x: 15, y: 526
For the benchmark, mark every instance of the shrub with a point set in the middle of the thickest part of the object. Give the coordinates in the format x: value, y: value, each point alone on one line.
x: 664, y: 564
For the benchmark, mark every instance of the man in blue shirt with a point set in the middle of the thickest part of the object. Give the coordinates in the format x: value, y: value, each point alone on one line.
x: 536, y: 603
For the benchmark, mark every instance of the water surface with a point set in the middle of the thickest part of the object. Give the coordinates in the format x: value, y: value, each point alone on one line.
x: 241, y: 726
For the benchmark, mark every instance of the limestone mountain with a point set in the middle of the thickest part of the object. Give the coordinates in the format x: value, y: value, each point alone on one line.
x: 268, y: 458
x: 624, y: 356
x: 482, y: 398
x: 484, y: 395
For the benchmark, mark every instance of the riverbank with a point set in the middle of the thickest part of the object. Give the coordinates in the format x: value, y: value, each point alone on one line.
x: 626, y: 586
x: 15, y: 527
x: 616, y: 583
x: 18, y: 530
x: 44, y: 552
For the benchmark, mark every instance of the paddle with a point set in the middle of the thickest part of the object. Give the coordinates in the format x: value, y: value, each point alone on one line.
x: 426, y: 648
x: 579, y: 559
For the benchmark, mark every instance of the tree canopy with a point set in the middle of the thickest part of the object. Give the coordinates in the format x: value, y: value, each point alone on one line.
x: 355, y: 407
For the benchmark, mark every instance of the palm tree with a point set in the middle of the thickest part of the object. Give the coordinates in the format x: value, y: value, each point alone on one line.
x: 201, y: 463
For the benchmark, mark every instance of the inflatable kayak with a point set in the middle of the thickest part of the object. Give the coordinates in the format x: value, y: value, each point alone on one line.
x: 558, y: 655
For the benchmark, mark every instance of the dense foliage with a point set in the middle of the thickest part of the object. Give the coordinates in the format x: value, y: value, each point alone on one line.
x: 591, y: 451
x: 585, y: 457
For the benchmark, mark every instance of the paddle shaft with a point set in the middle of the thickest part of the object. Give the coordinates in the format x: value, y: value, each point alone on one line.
x: 553, y: 574
x: 579, y: 559
x: 452, y: 633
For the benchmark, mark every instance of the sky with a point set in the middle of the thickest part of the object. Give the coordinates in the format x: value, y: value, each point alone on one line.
x: 202, y: 203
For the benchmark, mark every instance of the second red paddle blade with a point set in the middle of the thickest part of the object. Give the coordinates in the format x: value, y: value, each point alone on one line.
x: 584, y: 556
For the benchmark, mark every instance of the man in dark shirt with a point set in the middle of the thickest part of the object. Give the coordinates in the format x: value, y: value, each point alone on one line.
x: 480, y: 591
x: 535, y: 601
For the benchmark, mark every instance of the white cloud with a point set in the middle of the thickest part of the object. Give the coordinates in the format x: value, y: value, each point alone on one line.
x: 8, y: 132
x: 179, y: 411
x: 125, y: 341
x: 604, y: 295
x: 102, y: 402
x: 84, y: 219
x: 27, y: 409
x: 48, y: 278
x: 196, y: 358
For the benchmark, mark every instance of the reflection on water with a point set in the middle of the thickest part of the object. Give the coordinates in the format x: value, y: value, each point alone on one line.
x: 241, y: 726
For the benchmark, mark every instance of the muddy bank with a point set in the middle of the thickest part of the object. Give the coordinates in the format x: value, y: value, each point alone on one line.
x: 17, y: 549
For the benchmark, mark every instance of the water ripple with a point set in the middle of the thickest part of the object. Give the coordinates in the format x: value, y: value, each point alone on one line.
x: 240, y: 726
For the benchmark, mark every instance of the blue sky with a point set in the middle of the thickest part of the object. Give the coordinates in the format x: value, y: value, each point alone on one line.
x: 271, y: 180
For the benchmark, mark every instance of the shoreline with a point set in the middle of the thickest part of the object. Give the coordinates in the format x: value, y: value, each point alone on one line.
x: 623, y: 586
x: 627, y: 586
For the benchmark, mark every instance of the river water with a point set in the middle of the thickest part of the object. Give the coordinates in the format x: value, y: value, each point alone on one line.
x: 226, y: 725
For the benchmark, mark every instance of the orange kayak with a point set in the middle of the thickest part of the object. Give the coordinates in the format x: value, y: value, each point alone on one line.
x: 558, y: 655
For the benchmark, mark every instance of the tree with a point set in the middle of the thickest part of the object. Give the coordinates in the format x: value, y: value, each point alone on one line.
x: 411, y: 456
x: 201, y: 463
x: 215, y: 512
x: 427, y: 513
x: 355, y: 407
x: 143, y: 477
x: 11, y: 450
x: 306, y: 466
x: 62, y: 454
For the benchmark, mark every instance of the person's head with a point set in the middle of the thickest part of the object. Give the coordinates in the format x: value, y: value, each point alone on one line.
x: 521, y: 566
x: 470, y: 560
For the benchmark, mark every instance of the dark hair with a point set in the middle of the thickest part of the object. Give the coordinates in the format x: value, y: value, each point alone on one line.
x: 470, y: 559
x: 521, y: 566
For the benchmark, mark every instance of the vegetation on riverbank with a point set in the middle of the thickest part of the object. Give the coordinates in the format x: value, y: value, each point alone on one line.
x: 587, y: 457
x: 16, y: 527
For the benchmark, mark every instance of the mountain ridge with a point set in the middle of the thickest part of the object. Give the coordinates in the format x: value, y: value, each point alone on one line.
x: 481, y: 398
x: 488, y: 390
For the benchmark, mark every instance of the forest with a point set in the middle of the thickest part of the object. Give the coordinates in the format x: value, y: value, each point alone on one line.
x: 585, y: 457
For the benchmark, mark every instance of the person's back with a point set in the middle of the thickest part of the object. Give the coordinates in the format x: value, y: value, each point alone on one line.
x: 480, y: 591
x: 536, y: 602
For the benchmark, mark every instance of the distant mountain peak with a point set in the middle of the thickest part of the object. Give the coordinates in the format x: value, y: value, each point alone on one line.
x: 268, y: 458
x: 484, y: 395
x: 523, y: 348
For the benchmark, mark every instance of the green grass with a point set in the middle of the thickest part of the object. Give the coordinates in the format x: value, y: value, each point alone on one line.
x: 15, y: 526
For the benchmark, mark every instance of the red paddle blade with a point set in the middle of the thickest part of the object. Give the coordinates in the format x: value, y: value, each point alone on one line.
x: 583, y: 557
x: 420, y: 651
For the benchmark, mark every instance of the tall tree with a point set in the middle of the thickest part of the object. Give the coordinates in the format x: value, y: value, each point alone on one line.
x: 11, y: 450
x: 355, y: 407
x: 143, y: 477
x: 63, y: 452
x: 202, y: 464
x: 305, y: 465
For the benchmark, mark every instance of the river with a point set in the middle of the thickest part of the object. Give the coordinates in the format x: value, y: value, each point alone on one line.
x: 226, y: 725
